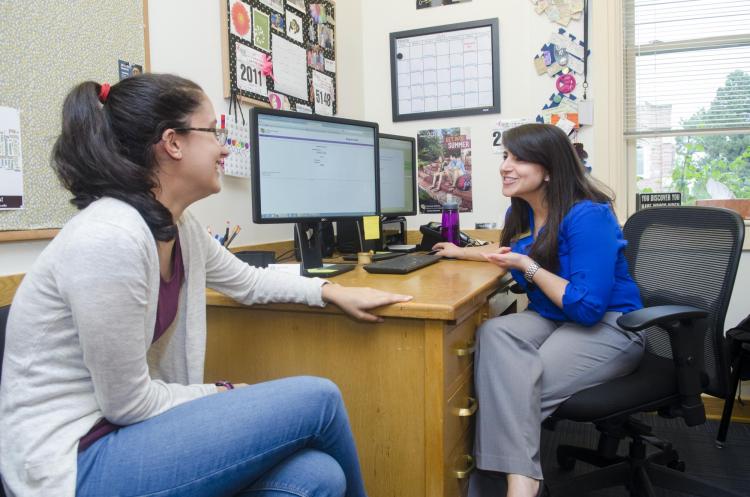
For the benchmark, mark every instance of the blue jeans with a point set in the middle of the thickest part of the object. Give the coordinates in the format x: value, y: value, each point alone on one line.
x: 287, y: 438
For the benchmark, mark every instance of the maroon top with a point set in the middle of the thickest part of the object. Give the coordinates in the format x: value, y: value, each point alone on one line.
x: 166, y: 311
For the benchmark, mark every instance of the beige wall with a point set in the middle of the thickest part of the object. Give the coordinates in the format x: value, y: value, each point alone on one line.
x: 523, y: 92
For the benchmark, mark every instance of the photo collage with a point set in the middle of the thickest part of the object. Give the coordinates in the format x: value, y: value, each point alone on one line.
x: 282, y: 53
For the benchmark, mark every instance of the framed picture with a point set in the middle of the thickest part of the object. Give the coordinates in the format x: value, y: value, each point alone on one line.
x: 446, y: 71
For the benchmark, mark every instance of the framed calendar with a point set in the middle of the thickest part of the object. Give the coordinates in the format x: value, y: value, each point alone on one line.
x: 446, y: 71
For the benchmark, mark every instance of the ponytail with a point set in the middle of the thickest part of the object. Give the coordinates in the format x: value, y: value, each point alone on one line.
x: 106, y: 149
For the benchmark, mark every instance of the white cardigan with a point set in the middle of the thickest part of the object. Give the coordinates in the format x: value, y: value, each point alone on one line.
x: 78, y: 344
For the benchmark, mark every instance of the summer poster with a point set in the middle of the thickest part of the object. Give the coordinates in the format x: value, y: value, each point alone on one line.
x: 11, y: 166
x: 444, y: 166
x: 261, y: 28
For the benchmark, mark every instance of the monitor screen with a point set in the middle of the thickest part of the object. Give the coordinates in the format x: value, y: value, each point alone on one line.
x: 308, y: 167
x: 397, y: 176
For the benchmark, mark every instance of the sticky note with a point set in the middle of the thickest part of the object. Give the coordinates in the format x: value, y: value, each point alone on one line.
x: 321, y: 270
x: 372, y: 227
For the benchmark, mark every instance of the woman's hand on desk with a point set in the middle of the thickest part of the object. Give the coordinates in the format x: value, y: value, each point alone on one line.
x: 356, y: 301
x: 447, y: 249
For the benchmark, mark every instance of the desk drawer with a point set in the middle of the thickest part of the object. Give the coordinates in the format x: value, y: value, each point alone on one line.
x: 460, y: 412
x: 458, y: 354
x: 458, y: 466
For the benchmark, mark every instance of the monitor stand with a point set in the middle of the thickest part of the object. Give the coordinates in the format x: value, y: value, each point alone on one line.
x: 309, y: 235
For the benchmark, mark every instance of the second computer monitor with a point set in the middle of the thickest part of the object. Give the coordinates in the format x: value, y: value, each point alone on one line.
x: 398, y: 178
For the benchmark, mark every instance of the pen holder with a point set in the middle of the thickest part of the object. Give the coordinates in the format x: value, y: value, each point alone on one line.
x: 364, y: 257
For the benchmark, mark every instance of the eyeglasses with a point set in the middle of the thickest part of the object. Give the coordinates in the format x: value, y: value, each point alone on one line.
x: 220, y: 133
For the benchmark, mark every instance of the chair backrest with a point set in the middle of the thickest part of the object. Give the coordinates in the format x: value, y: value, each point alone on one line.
x: 688, y: 256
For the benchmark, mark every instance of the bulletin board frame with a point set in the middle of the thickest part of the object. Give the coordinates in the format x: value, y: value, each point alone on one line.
x: 440, y: 34
x: 319, y: 58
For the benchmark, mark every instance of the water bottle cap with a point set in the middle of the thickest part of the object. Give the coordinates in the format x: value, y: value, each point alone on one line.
x: 450, y: 205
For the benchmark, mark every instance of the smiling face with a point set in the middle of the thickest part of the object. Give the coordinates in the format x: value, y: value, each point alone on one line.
x: 521, y: 179
x: 201, y: 162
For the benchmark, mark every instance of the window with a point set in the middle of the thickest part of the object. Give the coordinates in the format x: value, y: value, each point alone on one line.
x: 687, y: 97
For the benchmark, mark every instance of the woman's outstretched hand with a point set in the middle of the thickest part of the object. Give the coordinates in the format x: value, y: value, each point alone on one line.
x: 356, y: 301
x: 506, y: 259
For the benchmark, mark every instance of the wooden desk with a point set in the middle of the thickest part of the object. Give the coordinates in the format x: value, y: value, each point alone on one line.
x: 407, y: 382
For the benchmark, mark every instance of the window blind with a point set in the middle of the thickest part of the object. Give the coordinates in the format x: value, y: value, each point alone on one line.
x: 687, y: 67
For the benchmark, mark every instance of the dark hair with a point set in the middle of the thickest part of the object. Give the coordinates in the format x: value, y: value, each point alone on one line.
x: 549, y: 146
x: 106, y: 150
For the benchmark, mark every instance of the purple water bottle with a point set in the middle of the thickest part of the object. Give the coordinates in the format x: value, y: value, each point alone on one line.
x: 449, y: 227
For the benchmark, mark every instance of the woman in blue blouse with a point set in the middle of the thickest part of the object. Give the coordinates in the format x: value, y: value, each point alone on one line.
x: 562, y: 243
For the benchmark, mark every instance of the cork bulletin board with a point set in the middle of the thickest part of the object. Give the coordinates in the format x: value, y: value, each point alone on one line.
x: 49, y: 58
x: 281, y: 53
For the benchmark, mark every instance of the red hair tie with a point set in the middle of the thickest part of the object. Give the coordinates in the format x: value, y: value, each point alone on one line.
x: 104, y: 92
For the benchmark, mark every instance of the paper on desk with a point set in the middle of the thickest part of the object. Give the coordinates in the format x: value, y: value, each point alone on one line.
x: 285, y: 268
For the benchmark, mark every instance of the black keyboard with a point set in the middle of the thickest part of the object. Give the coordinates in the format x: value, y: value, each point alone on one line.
x: 377, y: 256
x: 402, y: 265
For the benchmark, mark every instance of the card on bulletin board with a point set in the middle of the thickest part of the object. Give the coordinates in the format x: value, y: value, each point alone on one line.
x: 281, y: 53
x: 237, y: 163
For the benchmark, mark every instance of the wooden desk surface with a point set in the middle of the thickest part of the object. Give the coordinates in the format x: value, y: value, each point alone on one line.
x: 441, y: 291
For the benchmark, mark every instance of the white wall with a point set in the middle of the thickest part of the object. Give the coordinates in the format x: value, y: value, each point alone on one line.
x: 189, y: 44
x: 523, y: 92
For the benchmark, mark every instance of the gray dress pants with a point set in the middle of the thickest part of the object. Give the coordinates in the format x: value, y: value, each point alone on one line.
x: 525, y: 367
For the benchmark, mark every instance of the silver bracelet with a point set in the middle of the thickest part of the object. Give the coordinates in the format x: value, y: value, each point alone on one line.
x: 528, y: 275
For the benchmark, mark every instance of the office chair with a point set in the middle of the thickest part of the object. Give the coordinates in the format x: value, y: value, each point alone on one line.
x: 684, y: 260
x: 739, y: 354
x: 4, y: 310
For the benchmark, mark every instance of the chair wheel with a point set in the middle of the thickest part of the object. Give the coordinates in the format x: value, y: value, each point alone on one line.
x: 677, y: 465
x: 564, y: 461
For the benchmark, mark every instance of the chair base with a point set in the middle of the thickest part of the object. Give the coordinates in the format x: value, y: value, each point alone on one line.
x: 638, y: 473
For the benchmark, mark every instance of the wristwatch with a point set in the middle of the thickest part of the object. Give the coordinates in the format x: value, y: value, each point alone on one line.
x: 528, y: 275
x: 224, y: 384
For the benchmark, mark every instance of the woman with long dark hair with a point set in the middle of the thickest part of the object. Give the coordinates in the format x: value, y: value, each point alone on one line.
x: 102, y: 389
x: 563, y: 245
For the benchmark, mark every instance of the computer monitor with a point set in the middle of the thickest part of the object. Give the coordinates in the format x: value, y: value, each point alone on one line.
x: 309, y: 168
x: 398, y: 176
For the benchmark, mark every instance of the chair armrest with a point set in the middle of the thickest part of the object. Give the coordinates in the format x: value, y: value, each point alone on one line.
x: 660, y: 314
x: 740, y: 335
x: 685, y: 326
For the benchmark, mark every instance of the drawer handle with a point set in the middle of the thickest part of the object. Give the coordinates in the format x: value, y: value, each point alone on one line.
x: 469, y: 467
x: 467, y: 349
x: 468, y: 410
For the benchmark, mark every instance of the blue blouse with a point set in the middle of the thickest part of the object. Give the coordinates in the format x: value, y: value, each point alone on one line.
x: 590, y: 250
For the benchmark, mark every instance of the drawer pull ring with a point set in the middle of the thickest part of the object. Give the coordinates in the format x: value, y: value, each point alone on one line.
x: 469, y: 467
x: 467, y: 349
x: 468, y: 410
